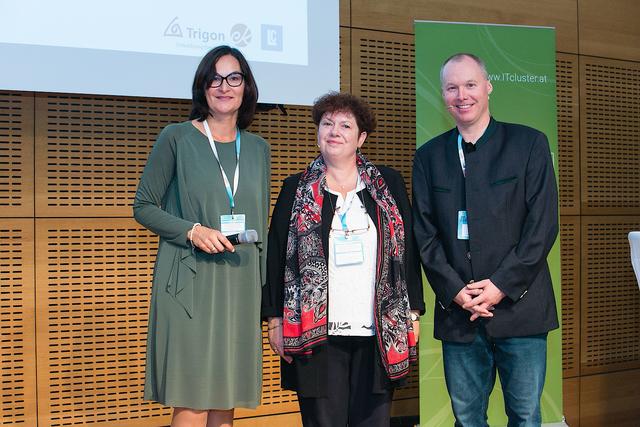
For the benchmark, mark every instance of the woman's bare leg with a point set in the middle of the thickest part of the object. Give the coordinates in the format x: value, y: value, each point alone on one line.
x: 185, y: 417
x: 220, y: 418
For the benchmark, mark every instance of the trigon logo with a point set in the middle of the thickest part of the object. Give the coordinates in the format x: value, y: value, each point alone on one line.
x: 173, y: 29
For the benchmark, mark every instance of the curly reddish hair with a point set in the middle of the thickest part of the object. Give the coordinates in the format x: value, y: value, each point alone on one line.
x: 333, y: 102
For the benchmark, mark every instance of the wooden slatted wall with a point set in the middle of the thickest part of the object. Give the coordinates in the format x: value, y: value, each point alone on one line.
x: 17, y: 331
x: 17, y: 293
x: 609, y: 153
x: 93, y: 263
x: 383, y: 66
x: 75, y: 268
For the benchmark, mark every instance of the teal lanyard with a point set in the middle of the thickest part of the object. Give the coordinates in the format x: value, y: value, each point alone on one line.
x: 461, y: 156
x: 236, y: 175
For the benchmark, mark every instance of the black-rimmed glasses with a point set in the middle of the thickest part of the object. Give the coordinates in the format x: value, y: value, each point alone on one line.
x: 234, y: 79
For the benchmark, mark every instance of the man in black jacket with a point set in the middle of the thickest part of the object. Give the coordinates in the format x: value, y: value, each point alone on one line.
x: 485, y: 218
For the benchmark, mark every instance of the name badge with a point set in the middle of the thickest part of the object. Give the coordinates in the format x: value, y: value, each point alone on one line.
x: 347, y: 250
x: 231, y: 224
x: 463, y: 226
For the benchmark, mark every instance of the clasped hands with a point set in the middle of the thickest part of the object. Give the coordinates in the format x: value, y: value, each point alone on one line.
x: 479, y: 298
x: 209, y: 240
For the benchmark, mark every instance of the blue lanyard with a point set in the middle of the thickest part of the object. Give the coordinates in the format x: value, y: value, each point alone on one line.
x: 343, y: 221
x: 236, y: 174
x: 461, y: 156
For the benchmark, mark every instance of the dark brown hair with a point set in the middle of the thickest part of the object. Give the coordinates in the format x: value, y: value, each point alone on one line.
x: 333, y: 102
x: 204, y: 76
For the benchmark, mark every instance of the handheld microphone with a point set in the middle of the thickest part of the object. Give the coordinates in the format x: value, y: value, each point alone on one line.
x: 247, y: 236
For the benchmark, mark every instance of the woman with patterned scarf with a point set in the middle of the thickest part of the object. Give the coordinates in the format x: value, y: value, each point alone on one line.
x: 344, y: 290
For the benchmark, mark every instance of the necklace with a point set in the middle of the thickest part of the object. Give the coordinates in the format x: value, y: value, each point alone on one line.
x: 342, y: 188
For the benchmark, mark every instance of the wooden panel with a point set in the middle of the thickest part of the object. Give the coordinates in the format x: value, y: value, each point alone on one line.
x: 610, y: 399
x: 610, y: 332
x: 16, y: 154
x: 399, y: 15
x: 93, y: 280
x: 90, y: 151
x: 609, y: 29
x: 568, y: 133
x: 570, y: 258
x: 82, y: 171
x: 571, y: 401
x: 610, y: 136
x: 345, y: 60
x: 383, y: 70
x: 292, y: 139
x: 345, y: 13
x: 17, y: 332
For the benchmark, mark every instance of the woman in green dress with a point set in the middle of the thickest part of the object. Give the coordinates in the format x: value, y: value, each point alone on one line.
x: 206, y: 179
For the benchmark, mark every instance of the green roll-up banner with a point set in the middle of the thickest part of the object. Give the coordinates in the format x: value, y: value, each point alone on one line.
x: 521, y: 64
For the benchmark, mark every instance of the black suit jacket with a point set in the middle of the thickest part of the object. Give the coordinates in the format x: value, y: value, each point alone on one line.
x: 510, y: 195
x: 308, y: 377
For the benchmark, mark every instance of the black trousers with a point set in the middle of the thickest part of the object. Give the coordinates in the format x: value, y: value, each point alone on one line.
x: 350, y: 400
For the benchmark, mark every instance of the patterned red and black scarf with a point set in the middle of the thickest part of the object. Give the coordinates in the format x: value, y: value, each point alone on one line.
x: 306, y: 276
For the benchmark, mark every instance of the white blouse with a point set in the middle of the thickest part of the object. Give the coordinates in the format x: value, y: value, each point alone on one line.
x: 352, y: 267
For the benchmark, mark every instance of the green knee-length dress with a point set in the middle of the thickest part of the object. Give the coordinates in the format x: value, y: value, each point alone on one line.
x: 204, y: 344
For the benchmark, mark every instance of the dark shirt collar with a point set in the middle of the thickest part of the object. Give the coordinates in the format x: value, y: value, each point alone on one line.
x: 468, y: 147
x: 488, y: 133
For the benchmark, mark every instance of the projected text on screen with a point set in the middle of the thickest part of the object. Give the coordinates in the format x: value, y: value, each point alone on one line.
x: 152, y: 48
x: 170, y: 28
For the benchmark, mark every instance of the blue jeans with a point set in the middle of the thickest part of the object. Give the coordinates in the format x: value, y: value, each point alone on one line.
x: 470, y: 373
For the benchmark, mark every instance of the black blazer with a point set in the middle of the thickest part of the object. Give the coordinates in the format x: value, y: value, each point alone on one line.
x: 309, y: 378
x: 511, y: 199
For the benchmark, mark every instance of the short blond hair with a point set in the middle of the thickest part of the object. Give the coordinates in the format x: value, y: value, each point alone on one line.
x: 457, y: 57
